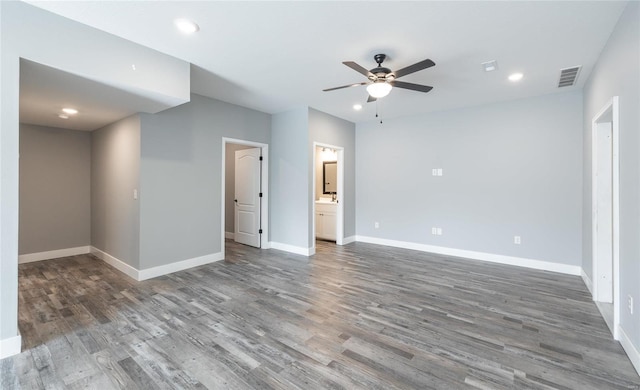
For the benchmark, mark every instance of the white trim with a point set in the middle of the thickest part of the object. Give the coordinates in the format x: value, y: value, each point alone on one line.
x: 630, y: 349
x: 229, y: 235
x: 154, y: 272
x: 616, y: 217
x: 493, y: 258
x: 160, y: 270
x: 612, y: 104
x: 586, y: 280
x: 10, y: 346
x: 116, y: 263
x: 298, y: 250
x: 264, y: 209
x: 348, y: 240
x: 28, y: 258
x: 341, y: 198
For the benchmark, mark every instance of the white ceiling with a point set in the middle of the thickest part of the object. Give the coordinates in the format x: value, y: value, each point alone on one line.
x: 275, y: 56
x: 45, y: 91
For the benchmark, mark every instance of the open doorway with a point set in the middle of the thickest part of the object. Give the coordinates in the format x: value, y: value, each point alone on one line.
x: 328, y: 192
x: 605, y: 207
x: 78, y: 181
x: 245, y: 201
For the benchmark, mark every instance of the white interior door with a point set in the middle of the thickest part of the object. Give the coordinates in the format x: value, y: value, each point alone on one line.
x: 247, y: 197
x: 604, y: 210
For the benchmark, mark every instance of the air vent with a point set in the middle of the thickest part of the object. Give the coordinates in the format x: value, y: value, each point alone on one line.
x: 490, y: 66
x: 568, y: 76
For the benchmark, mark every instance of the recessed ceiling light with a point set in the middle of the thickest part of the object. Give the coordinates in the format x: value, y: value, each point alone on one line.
x: 63, y: 116
x: 490, y: 66
x: 70, y: 111
x: 357, y: 107
x: 186, y: 26
x: 516, y: 77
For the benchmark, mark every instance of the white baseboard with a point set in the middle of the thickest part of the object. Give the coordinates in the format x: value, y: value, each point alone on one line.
x: 348, y: 240
x: 587, y: 281
x: 298, y: 250
x: 116, y: 263
x: 229, y: 235
x: 11, y: 346
x: 28, y: 258
x: 493, y: 258
x: 160, y: 270
x: 630, y: 349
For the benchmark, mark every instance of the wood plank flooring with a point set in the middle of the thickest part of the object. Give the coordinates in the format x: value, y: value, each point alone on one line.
x: 359, y: 316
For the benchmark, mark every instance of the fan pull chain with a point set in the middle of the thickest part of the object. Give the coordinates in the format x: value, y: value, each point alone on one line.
x: 377, y: 110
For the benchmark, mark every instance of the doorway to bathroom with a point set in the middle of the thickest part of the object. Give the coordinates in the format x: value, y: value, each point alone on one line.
x: 328, y: 192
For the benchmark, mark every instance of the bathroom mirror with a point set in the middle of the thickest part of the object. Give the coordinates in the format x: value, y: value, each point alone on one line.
x: 329, y: 177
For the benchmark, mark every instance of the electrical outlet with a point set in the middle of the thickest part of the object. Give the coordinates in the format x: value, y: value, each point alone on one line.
x: 630, y: 303
x: 517, y: 240
x: 439, y: 171
x: 439, y: 231
x: 135, y: 194
x: 434, y: 172
x: 376, y: 225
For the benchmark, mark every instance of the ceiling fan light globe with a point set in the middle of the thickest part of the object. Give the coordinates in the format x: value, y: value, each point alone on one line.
x: 379, y: 89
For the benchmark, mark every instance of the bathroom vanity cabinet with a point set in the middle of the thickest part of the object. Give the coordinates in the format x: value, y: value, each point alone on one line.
x: 326, y: 220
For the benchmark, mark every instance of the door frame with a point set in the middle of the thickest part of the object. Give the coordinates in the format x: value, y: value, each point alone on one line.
x: 609, y: 113
x: 340, y: 189
x: 264, y: 206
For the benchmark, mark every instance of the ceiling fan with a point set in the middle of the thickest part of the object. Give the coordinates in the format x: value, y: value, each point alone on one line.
x: 382, y: 80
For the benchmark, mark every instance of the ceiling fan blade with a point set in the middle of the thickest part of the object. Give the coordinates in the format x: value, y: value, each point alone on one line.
x: 414, y: 68
x: 345, y: 86
x: 411, y: 86
x: 371, y: 99
x: 358, y: 68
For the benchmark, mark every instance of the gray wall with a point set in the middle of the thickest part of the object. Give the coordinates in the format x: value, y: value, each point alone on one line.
x: 229, y: 185
x: 115, y: 174
x: 289, y: 180
x: 512, y: 168
x: 617, y: 74
x: 55, y: 167
x: 328, y: 129
x: 181, y: 178
x: 292, y: 136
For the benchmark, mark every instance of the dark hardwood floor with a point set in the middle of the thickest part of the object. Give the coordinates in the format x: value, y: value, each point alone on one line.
x: 355, y: 317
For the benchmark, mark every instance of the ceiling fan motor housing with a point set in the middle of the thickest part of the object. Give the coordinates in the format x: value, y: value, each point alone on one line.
x: 380, y: 72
